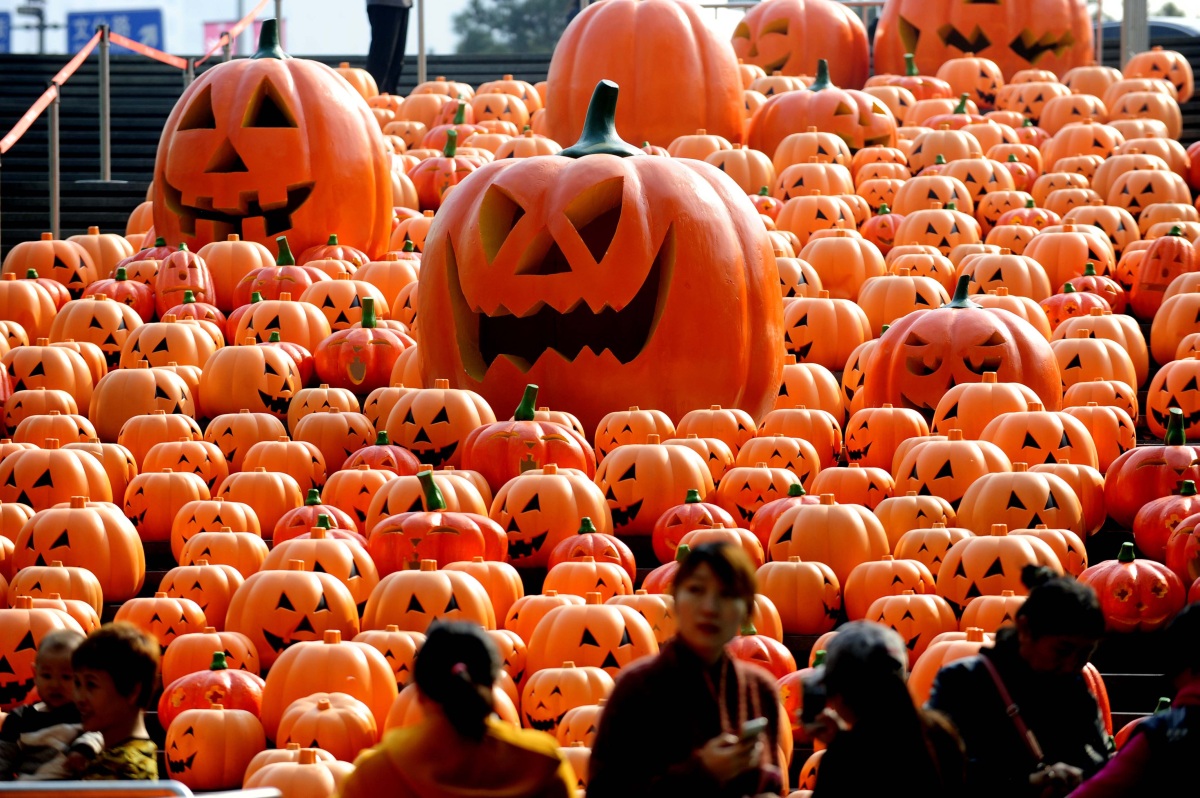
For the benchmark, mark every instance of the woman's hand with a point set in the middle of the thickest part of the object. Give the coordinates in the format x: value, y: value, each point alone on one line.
x: 726, y: 757
x: 1057, y: 779
x: 826, y: 726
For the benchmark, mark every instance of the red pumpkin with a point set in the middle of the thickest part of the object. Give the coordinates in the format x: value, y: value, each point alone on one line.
x: 1135, y: 595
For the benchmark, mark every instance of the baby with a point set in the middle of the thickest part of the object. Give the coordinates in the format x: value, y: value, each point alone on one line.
x: 45, y: 741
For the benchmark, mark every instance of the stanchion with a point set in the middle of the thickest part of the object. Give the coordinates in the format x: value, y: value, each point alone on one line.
x: 105, y: 109
x: 189, y: 74
x: 421, y: 73
x: 226, y: 48
x: 1135, y: 32
x: 54, y: 173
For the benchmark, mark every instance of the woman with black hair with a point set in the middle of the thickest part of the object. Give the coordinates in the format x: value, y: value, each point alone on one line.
x: 693, y: 721
x: 460, y: 749
x: 1030, y: 726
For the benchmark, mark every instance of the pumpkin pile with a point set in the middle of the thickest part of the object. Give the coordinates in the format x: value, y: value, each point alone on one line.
x: 926, y: 302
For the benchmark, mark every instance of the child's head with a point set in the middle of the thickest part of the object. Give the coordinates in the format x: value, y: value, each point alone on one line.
x: 116, y: 669
x: 52, y: 673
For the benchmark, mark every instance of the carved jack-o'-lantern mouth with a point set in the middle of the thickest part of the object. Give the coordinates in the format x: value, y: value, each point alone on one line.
x: 277, y: 217
x: 178, y: 766
x: 541, y: 329
x: 626, y: 515
x: 548, y: 725
x: 1026, y: 45
x: 524, y: 548
x: 15, y: 692
x: 1188, y: 418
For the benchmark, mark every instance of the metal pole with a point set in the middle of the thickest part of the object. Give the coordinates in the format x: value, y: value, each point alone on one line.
x: 226, y: 49
x: 54, y: 173
x: 240, y: 44
x: 1099, y: 26
x: 421, y: 75
x: 189, y: 74
x: 279, y: 16
x: 1135, y: 32
x: 105, y: 109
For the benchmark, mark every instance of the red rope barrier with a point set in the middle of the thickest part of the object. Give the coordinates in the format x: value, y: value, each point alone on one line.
x: 43, y: 102
x: 233, y: 32
x: 148, y: 51
x: 71, y: 66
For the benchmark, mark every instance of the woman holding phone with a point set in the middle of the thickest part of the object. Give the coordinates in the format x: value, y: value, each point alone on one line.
x: 693, y: 720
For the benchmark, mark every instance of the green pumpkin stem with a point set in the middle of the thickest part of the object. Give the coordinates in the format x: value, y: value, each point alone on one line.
x: 1012, y: 157
x: 962, y: 300
x: 764, y: 192
x: 313, y: 498
x: 822, y: 82
x: 910, y: 65
x: 1029, y: 203
x: 189, y: 297
x: 285, y: 257
x: 1175, y: 430
x: 1089, y: 270
x: 434, y: 501
x: 599, y: 134
x: 682, y: 551
x: 940, y: 160
x: 275, y: 339
x: 160, y: 242
x: 31, y: 274
x: 819, y: 658
x: 1187, y: 488
x: 586, y: 527
x: 460, y: 116
x: 268, y: 41
x: 693, y: 496
x: 409, y: 246
x: 255, y: 297
x: 1027, y: 123
x: 324, y: 521
x: 1164, y: 703
x: 122, y: 274
x: 218, y: 662
x: 748, y: 629
x: 368, y: 313
x: 382, y: 439
x: 883, y: 209
x: 183, y: 246
x: 795, y: 490
x: 451, y: 148
x: 961, y: 108
x: 1069, y: 288
x: 332, y: 240
x: 524, y: 411
x: 1176, y: 230
x: 1126, y: 554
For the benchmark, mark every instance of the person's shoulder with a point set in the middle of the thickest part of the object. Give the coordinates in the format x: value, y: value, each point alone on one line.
x: 528, y: 739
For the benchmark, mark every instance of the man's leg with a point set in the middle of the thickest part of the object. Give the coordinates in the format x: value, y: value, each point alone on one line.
x: 396, y: 62
x: 384, y: 21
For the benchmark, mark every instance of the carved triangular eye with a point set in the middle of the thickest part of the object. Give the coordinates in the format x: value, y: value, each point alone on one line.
x: 199, y: 115
x: 596, y: 213
x: 268, y: 109
x: 630, y: 473
x: 441, y: 417
x: 588, y: 639
x: 284, y: 603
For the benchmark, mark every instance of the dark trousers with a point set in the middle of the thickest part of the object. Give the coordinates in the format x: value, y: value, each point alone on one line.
x: 389, y: 32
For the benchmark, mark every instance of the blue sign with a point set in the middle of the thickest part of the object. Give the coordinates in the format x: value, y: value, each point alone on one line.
x: 5, y: 31
x: 145, y: 26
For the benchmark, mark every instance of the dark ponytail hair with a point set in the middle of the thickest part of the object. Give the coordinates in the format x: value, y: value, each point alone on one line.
x: 456, y: 668
x: 1059, y: 605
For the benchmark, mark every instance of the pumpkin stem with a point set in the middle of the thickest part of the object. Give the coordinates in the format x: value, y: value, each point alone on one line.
x: 682, y: 551
x: 599, y: 134
x: 433, y: 496
x: 460, y: 116
x: 961, y: 108
x: 962, y: 299
x: 822, y: 82
x: 883, y: 209
x: 1089, y: 270
x: 586, y: 527
x: 382, y: 439
x: 1175, y: 435
x: 313, y: 498
x: 1126, y: 553
x: 524, y: 411
x: 1012, y: 157
x: 795, y: 489
x: 910, y: 65
x: 160, y: 242
x: 275, y: 339
x: 1027, y: 123
x: 324, y: 522
x: 31, y: 274
x: 189, y: 298
x: 1176, y: 230
x: 333, y: 240
x: 451, y: 148
x: 764, y: 192
x: 818, y: 658
x: 122, y: 274
x: 1069, y: 288
x: 255, y: 297
x: 1029, y: 203
x: 748, y: 629
x: 1163, y: 705
x: 693, y: 496
x: 1187, y: 488
x: 368, y: 313
x: 409, y: 246
x: 285, y: 252
x: 218, y: 662
x: 268, y: 41
x: 940, y: 159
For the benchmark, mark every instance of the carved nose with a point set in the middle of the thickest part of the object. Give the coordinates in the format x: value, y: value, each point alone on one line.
x: 226, y: 160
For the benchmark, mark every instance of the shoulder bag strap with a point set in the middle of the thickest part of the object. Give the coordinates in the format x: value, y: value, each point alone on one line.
x: 1014, y: 712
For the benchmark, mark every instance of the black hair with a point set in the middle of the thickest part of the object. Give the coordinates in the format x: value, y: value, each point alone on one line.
x: 729, y: 563
x: 127, y: 654
x: 1183, y: 642
x: 1059, y: 605
x: 456, y: 667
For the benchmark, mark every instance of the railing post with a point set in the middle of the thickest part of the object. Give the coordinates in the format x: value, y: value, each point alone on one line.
x: 189, y: 74
x: 421, y: 74
x: 105, y: 109
x: 1098, y: 26
x: 54, y: 173
x: 226, y: 48
x: 279, y: 14
x: 1135, y: 32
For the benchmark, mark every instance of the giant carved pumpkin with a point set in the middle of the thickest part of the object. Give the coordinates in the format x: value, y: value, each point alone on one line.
x: 1055, y: 35
x: 248, y: 149
x: 644, y: 44
x: 582, y: 271
x: 786, y: 35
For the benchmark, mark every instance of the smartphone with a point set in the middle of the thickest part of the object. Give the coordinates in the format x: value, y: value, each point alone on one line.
x: 812, y: 698
x: 752, y: 728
